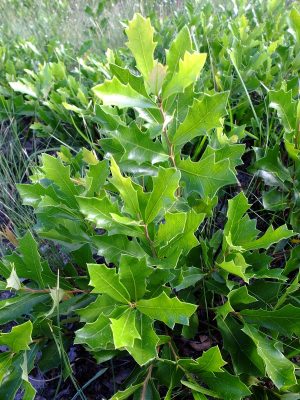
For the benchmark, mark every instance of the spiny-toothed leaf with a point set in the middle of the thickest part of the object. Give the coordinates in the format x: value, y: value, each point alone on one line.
x: 210, y: 361
x: 232, y: 152
x: 236, y: 266
x: 126, y: 190
x: 166, y: 309
x: 13, y: 308
x: 115, y: 93
x: 124, y: 394
x: 138, y: 146
x: 28, y: 262
x: 145, y: 348
x: 188, y: 71
x: 178, y: 232
x: 95, y: 334
x: 202, y: 116
x: 60, y: 175
x: 124, y: 329
x: 179, y: 46
x: 133, y: 273
x: 239, y: 228
x: 102, y: 305
x: 106, y: 280
x: 271, y: 163
x: 206, y: 176
x: 98, y: 210
x: 294, y: 23
x: 140, y: 42
x: 162, y: 195
x: 96, y: 177
x: 241, y: 348
x: 226, y: 386
x: 32, y: 194
x: 125, y: 76
x: 285, y: 106
x: 270, y: 237
x: 111, y: 247
x: 280, y: 370
x: 19, y: 338
x: 285, y: 320
x: 234, y: 298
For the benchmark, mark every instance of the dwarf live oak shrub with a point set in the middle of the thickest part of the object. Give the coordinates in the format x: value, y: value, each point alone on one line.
x: 148, y: 263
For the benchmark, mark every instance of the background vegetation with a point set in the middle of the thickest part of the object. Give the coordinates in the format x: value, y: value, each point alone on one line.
x: 209, y: 140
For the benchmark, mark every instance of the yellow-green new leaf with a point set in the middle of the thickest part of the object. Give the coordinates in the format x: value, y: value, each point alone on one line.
x: 162, y: 195
x: 124, y: 329
x: 106, y: 280
x: 145, y: 348
x: 126, y: 190
x: 202, y: 116
x: 114, y: 93
x: 140, y: 42
x: 171, y: 311
x: 19, y: 338
x: 188, y: 72
x: 178, y: 48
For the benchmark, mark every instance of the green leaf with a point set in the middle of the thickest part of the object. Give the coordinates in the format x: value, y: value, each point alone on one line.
x: 280, y: 370
x: 210, y: 361
x: 60, y: 175
x: 202, y: 116
x: 106, y: 280
x: 124, y: 329
x: 179, y: 46
x: 166, y: 309
x: 285, y: 106
x: 294, y: 23
x: 140, y: 42
x: 133, y: 273
x: 126, y: 190
x: 226, y: 386
x: 285, y: 320
x: 162, y: 195
x: 97, y: 175
x: 125, y: 76
x: 138, y: 146
x: 111, y: 247
x: 272, y: 164
x: 98, y: 210
x: 270, y: 237
x: 19, y: 338
x: 206, y: 176
x: 145, y: 348
x: 235, y: 298
x: 124, y: 394
x: 236, y: 266
x: 13, y: 308
x: 178, y: 232
x: 102, y: 305
x: 96, y: 334
x: 25, y: 88
x: 115, y: 93
x: 241, y: 348
x: 28, y: 264
x: 188, y: 71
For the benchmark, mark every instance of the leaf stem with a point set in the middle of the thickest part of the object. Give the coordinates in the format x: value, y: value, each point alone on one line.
x: 143, y: 394
x: 154, y: 254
